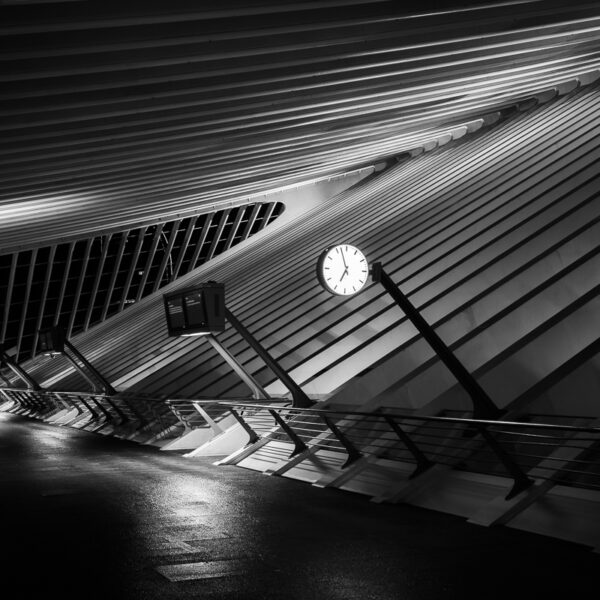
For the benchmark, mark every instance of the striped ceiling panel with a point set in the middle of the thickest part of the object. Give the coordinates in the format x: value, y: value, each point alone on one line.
x: 494, y: 237
x: 116, y: 115
x: 135, y: 138
x: 81, y: 283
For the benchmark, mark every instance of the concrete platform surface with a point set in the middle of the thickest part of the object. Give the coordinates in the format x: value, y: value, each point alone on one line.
x: 85, y: 516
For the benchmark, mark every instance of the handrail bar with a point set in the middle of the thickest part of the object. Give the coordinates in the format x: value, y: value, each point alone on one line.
x: 210, y: 400
x: 346, y: 413
x: 128, y: 395
x: 456, y: 420
x: 119, y: 395
x: 70, y: 393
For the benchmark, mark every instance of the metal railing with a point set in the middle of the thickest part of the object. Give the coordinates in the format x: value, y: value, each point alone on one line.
x: 203, y: 412
x: 123, y: 413
x: 525, y: 452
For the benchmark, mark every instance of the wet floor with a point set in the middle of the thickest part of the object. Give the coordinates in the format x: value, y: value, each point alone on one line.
x: 85, y: 516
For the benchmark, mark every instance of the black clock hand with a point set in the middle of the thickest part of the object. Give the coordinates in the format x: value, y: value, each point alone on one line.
x: 345, y: 265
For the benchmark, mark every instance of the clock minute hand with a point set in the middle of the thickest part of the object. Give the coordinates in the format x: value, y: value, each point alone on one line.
x: 345, y: 265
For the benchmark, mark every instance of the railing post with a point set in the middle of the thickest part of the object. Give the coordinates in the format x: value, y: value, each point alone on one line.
x: 51, y: 399
x: 29, y: 401
x: 521, y: 481
x: 117, y: 410
x: 68, y: 404
x: 254, y: 437
x: 43, y: 400
x: 35, y: 403
x: 130, y: 404
x: 211, y: 422
x: 423, y: 463
x: 102, y: 409
x: 179, y: 415
x: 92, y: 411
x: 21, y: 401
x: 299, y: 445
x: 353, y: 453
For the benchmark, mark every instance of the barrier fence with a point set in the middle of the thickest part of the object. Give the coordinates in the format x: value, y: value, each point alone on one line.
x: 92, y: 411
x: 525, y: 452
x: 195, y: 413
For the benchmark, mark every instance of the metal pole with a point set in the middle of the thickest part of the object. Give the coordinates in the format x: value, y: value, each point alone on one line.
x: 24, y: 400
x: 101, y: 408
x: 90, y: 409
x: 353, y: 453
x: 299, y: 445
x: 258, y: 391
x: 254, y: 437
x: 521, y: 481
x: 119, y: 412
x: 81, y: 370
x: 108, y: 389
x: 483, y: 406
x: 300, y: 399
x: 423, y: 463
x: 27, y: 379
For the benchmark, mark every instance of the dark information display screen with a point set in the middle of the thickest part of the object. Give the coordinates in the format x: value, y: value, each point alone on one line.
x: 196, y: 311
x: 51, y: 340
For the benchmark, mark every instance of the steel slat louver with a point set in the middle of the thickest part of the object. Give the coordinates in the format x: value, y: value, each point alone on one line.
x: 82, y: 283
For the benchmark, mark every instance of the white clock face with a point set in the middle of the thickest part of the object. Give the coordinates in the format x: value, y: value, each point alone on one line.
x: 343, y: 270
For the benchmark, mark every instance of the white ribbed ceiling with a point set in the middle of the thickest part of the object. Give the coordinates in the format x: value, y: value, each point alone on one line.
x: 117, y: 115
x: 495, y: 239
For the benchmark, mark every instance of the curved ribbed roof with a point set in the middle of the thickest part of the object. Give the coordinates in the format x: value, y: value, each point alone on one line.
x: 493, y: 237
x: 116, y: 115
x: 119, y: 116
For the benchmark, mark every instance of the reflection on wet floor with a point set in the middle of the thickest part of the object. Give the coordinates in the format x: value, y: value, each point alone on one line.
x: 87, y: 516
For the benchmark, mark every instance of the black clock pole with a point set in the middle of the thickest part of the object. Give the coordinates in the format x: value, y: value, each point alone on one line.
x: 483, y: 405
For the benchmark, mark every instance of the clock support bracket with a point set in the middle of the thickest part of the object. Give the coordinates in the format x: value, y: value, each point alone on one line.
x: 483, y: 405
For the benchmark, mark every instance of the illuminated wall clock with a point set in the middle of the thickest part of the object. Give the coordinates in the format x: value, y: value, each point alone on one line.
x: 342, y: 270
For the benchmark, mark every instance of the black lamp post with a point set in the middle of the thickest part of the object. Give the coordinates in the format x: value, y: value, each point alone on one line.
x: 53, y: 341
x: 26, y: 378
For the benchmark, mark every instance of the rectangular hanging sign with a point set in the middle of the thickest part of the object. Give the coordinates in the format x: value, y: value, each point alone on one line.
x: 196, y: 311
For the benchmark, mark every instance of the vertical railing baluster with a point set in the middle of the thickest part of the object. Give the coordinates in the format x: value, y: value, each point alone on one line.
x: 299, y: 445
x: 423, y: 463
x: 254, y: 437
x: 90, y: 409
x: 101, y: 407
x: 353, y: 453
x: 521, y: 481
